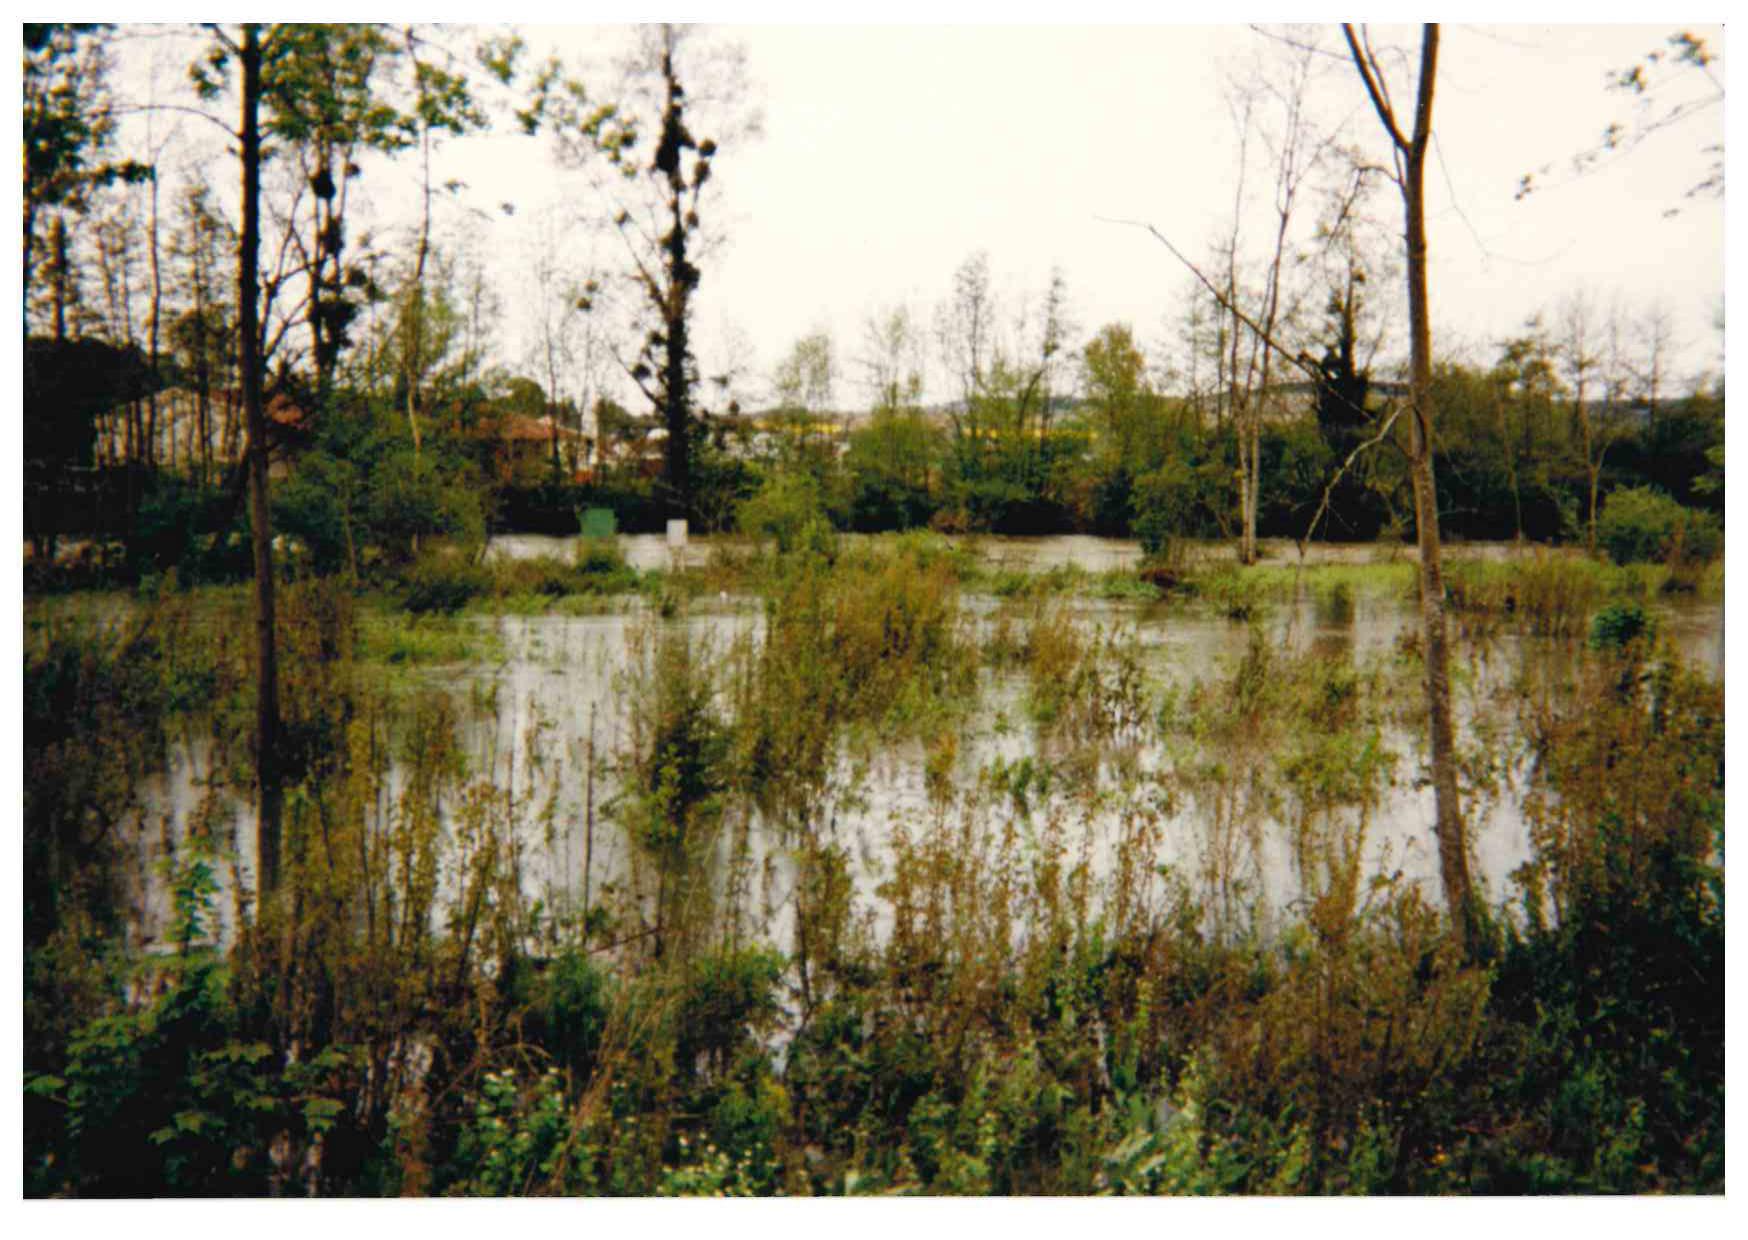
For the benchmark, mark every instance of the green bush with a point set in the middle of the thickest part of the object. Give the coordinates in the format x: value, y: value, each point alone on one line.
x: 541, y: 574
x: 879, y: 502
x: 593, y: 571
x: 442, y: 580
x: 1165, y: 504
x: 1617, y: 626
x: 789, y: 510
x: 313, y: 506
x: 412, y: 498
x: 598, y: 558
x: 1642, y: 523
x: 180, y: 527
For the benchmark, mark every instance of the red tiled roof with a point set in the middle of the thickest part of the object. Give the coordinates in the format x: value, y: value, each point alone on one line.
x: 284, y: 411
x: 516, y: 427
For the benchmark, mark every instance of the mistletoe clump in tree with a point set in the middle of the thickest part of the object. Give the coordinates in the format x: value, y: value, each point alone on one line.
x: 666, y: 370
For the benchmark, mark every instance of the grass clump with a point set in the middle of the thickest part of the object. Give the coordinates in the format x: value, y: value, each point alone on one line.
x: 398, y: 638
x: 1235, y: 593
x: 1120, y: 585
x: 598, y: 567
x: 1548, y: 594
x: 443, y: 580
x: 872, y: 640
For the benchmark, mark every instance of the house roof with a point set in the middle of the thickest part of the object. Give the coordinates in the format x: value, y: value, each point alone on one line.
x: 519, y: 428
x: 284, y: 411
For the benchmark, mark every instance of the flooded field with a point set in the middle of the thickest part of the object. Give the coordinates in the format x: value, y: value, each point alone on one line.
x: 545, y: 710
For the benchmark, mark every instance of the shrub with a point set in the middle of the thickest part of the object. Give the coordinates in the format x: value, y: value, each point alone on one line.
x: 1617, y: 626
x: 444, y: 581
x: 1233, y: 594
x: 789, y: 510
x: 883, y: 503
x: 1165, y: 505
x: 316, y: 506
x: 1641, y: 523
x: 412, y: 498
x: 600, y: 557
x: 873, y: 639
x: 541, y: 574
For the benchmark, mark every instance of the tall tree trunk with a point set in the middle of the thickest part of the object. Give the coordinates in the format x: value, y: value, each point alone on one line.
x: 1590, y: 466
x: 415, y: 360
x: 28, y: 268
x: 152, y: 333
x: 267, y: 756
x: 681, y: 276
x: 58, y: 240
x: 203, y: 388
x: 323, y: 182
x: 1453, y: 850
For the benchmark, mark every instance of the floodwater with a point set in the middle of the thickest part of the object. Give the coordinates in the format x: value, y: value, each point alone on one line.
x: 556, y: 695
x: 1035, y: 554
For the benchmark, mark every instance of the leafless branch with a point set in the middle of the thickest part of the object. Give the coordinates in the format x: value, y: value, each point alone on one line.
x: 180, y: 109
x: 1221, y: 298
x: 1376, y: 87
x: 1287, y: 39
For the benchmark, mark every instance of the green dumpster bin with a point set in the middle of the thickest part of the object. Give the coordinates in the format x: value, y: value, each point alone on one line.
x: 599, y: 523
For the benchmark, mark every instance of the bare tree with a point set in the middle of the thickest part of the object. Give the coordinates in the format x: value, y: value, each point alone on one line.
x: 1054, y: 329
x: 965, y: 336
x: 1655, y: 331
x: 1581, y: 356
x: 198, y: 248
x: 892, y: 360
x: 1295, y: 151
x: 1269, y: 105
x: 804, y: 380
x: 560, y: 295
x: 1409, y: 149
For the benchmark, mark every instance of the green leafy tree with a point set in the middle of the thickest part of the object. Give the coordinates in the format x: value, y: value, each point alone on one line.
x: 69, y: 119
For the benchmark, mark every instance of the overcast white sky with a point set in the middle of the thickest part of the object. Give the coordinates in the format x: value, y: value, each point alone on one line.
x: 890, y: 154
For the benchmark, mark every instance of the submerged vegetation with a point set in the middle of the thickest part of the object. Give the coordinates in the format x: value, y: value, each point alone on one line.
x: 1075, y: 971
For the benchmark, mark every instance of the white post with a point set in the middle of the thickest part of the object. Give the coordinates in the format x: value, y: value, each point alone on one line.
x: 676, y: 540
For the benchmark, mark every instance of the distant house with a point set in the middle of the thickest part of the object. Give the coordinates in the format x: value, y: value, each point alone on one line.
x: 1295, y: 399
x: 762, y: 434
x: 524, y: 447
x: 184, y: 436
